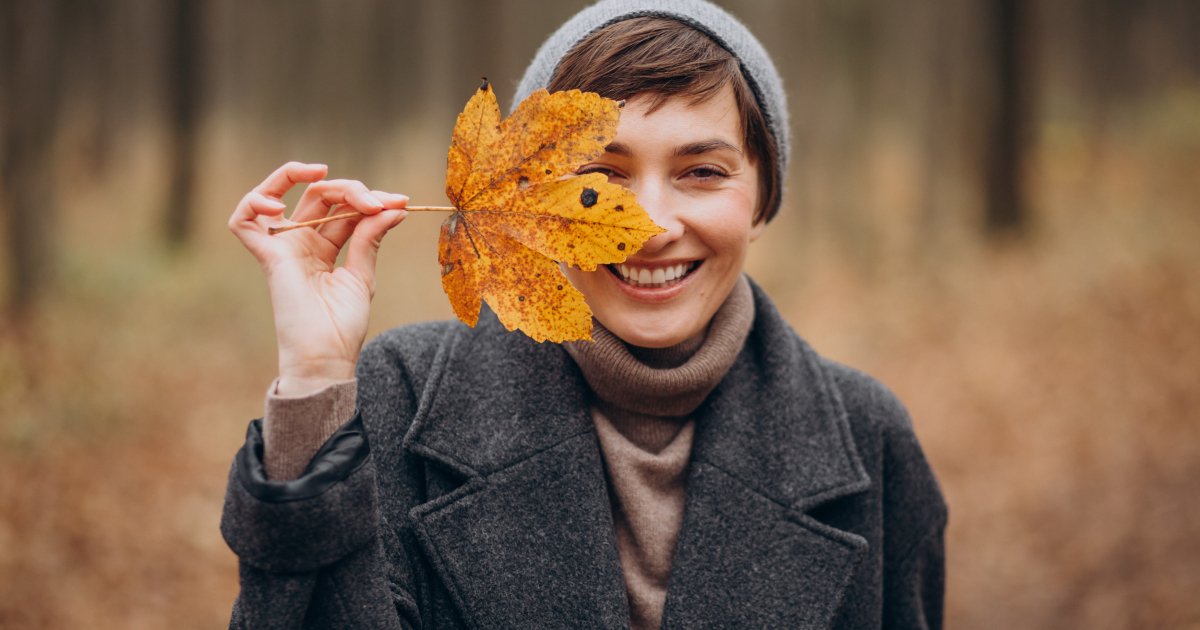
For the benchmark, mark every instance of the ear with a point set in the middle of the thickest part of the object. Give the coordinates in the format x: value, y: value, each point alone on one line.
x: 756, y: 230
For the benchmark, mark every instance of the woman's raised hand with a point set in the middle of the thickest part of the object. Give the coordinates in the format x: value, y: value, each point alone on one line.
x: 321, y: 311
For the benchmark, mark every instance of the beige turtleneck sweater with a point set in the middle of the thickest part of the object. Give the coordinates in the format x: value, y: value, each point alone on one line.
x: 642, y: 404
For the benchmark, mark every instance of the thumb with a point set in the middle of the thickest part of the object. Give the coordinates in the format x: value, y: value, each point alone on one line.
x: 363, y: 248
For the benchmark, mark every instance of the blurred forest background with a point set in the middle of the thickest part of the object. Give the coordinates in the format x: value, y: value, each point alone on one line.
x: 993, y: 207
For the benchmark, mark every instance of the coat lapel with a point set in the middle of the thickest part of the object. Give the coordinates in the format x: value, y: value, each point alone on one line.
x: 527, y: 540
x: 772, y: 442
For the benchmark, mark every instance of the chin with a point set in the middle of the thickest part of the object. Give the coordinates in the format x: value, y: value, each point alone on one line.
x: 646, y: 331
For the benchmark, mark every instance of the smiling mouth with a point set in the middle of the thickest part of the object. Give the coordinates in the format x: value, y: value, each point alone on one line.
x: 653, y: 277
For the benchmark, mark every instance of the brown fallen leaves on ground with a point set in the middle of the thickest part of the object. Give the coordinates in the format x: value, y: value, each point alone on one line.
x: 520, y: 211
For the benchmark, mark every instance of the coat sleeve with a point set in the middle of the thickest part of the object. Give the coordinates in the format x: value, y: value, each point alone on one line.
x: 310, y: 550
x: 917, y: 601
x: 911, y: 515
x: 915, y: 522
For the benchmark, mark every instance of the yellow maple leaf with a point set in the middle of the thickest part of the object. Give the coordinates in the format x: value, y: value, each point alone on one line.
x: 520, y: 211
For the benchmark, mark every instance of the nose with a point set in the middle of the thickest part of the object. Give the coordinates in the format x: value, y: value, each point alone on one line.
x: 664, y: 209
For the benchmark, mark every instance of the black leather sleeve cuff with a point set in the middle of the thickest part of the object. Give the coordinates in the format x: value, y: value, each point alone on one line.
x: 306, y: 523
x: 342, y: 454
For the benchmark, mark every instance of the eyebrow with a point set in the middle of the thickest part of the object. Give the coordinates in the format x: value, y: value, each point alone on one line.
x: 705, y: 146
x: 618, y: 149
x: 694, y: 148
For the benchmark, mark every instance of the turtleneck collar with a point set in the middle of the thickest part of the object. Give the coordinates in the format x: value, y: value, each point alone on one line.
x: 665, y: 382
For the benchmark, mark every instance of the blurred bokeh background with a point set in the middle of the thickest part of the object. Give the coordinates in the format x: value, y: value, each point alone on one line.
x: 993, y: 207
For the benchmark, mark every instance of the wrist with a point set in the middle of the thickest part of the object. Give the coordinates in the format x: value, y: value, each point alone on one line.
x: 301, y: 380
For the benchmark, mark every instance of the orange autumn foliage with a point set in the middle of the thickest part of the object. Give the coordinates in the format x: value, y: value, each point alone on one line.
x: 520, y: 211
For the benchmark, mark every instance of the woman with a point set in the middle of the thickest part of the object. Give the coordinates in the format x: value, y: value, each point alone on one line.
x: 697, y: 465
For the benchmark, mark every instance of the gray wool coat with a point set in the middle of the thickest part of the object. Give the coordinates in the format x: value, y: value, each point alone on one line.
x: 469, y: 492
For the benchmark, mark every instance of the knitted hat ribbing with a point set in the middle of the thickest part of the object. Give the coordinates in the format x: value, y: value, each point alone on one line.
x: 705, y: 17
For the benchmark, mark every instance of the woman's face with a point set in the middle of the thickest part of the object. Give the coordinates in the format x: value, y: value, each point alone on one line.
x: 690, y: 170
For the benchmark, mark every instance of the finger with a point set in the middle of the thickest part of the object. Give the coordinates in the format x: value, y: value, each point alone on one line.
x: 244, y: 220
x: 278, y: 183
x: 338, y: 232
x: 391, y: 200
x: 363, y: 248
x: 320, y: 197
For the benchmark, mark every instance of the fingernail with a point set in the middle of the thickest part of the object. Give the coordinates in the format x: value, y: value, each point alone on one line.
x: 276, y: 204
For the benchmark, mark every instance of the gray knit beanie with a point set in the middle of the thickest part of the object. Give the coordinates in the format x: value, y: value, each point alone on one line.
x: 705, y: 17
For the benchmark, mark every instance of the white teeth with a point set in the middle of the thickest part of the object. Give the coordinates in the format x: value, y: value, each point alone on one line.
x: 657, y: 277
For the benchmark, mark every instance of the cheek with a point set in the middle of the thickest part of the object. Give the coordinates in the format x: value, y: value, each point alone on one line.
x: 574, y: 275
x: 584, y: 280
x: 728, y: 233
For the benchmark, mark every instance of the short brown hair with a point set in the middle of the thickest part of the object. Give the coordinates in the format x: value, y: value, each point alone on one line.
x: 661, y: 57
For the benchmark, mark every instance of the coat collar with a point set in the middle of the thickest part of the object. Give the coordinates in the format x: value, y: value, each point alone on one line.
x: 530, y: 533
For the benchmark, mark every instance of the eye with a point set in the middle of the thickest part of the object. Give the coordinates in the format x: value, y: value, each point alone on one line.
x: 707, y: 173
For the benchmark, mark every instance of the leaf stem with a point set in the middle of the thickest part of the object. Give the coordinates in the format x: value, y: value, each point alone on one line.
x: 346, y: 215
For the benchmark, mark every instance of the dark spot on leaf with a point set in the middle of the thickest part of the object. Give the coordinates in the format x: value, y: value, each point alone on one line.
x: 588, y: 197
x: 560, y: 287
x: 483, y: 86
x: 621, y: 103
x: 548, y: 171
x: 523, y: 182
x: 552, y: 146
x: 521, y: 298
x: 621, y: 246
x: 619, y: 208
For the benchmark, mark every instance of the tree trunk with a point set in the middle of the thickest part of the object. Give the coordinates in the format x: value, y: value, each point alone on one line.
x: 30, y: 81
x: 185, y: 87
x: 1005, y: 208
